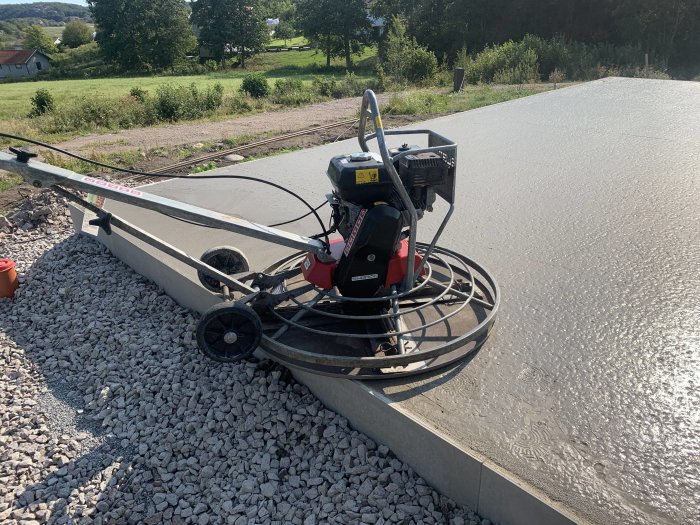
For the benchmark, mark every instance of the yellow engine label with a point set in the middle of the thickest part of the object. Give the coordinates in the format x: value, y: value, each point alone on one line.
x: 367, y: 176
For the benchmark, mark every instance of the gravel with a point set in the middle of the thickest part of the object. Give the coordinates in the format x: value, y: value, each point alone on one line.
x: 111, y: 415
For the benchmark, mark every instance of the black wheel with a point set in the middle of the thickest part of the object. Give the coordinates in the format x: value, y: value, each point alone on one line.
x: 227, y: 260
x: 229, y: 332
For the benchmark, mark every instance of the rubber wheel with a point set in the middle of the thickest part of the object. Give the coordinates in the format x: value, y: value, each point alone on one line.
x: 227, y: 260
x: 229, y: 332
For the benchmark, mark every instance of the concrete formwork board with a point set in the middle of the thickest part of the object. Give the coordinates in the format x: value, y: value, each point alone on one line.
x: 585, y: 204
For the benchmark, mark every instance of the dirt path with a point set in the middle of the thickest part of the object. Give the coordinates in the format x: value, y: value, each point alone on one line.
x: 275, y: 122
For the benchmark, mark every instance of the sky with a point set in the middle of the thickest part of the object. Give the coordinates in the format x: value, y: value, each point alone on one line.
x: 79, y: 2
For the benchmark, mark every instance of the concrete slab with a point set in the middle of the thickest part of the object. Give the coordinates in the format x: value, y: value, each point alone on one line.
x: 585, y: 204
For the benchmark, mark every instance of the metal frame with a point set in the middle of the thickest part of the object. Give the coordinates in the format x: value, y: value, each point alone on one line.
x: 436, y: 144
x: 466, y: 286
x: 44, y: 175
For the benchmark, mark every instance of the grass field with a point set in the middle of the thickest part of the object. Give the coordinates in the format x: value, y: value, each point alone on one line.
x: 57, y: 31
x: 15, y: 97
x: 296, y: 41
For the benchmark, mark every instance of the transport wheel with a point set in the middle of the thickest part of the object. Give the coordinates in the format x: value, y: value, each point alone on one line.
x: 229, y: 332
x: 227, y: 260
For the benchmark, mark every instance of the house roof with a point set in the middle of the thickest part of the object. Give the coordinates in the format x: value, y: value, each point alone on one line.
x: 16, y: 56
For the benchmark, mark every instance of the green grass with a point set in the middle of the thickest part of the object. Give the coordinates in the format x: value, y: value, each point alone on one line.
x: 8, y: 181
x: 57, y: 31
x: 296, y: 41
x: 424, y: 103
x: 300, y: 64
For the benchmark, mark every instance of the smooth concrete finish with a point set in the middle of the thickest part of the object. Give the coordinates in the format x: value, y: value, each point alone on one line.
x: 585, y: 205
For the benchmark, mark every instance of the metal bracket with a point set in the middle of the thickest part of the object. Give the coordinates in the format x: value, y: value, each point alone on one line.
x: 23, y: 155
x: 104, y: 222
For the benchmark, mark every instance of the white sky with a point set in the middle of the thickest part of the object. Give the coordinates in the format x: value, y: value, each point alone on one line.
x: 80, y: 2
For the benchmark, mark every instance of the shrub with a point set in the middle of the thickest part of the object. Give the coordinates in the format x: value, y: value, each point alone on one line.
x: 138, y: 93
x: 213, y: 97
x: 86, y: 113
x: 421, y: 65
x: 324, y: 86
x: 405, y: 59
x: 557, y: 77
x: 255, y: 85
x: 382, y: 79
x: 76, y: 33
x: 350, y: 86
x: 173, y: 103
x: 42, y: 102
x: 211, y: 65
x: 524, y: 70
x: 241, y: 104
x: 415, y: 104
x: 650, y: 72
x: 291, y: 92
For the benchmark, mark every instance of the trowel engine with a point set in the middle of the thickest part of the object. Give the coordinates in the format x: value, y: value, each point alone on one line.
x: 372, y: 255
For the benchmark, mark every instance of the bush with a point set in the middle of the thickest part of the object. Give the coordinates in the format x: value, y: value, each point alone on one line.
x: 213, y: 97
x: 173, y: 103
x: 241, y: 104
x: 139, y: 94
x: 416, y: 104
x: 76, y: 33
x: 523, y: 71
x: 97, y: 113
x: 349, y: 86
x: 535, y: 58
x: 650, y: 72
x: 291, y: 92
x: 405, y: 59
x: 42, y: 102
x: 557, y: 76
x: 324, y: 86
x: 211, y: 65
x: 255, y: 85
x: 382, y: 80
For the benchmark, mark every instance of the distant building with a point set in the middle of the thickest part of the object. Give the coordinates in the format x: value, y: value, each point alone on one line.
x: 22, y: 63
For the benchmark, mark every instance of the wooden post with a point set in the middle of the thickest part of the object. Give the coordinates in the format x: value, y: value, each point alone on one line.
x: 458, y: 79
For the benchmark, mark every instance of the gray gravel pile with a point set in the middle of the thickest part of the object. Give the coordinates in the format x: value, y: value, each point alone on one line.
x: 44, y: 210
x: 111, y: 415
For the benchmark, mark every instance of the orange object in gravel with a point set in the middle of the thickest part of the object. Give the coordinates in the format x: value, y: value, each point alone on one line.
x: 8, y: 278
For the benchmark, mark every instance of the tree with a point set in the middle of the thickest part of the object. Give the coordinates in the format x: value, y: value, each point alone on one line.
x: 76, y: 33
x: 231, y: 25
x: 142, y: 34
x: 285, y: 31
x: 339, y: 27
x: 36, y: 38
x: 404, y: 59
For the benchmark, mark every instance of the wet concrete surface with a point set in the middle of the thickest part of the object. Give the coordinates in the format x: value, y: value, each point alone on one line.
x: 585, y: 205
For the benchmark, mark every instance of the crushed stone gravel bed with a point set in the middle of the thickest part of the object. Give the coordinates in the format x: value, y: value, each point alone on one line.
x: 111, y: 415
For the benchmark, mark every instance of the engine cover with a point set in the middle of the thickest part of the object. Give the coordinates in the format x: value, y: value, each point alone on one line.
x: 360, y: 178
x: 363, y: 267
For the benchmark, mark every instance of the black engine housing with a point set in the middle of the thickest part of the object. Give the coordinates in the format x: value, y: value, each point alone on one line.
x: 362, y: 269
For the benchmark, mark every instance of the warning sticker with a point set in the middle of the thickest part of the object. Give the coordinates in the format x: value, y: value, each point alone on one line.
x: 367, y: 176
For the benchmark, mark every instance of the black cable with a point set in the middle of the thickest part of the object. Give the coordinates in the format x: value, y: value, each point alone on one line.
x: 300, y: 217
x: 317, y: 236
x: 172, y: 176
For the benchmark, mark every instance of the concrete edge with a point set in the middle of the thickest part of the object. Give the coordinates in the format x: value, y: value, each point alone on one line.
x: 462, y: 474
x: 456, y: 471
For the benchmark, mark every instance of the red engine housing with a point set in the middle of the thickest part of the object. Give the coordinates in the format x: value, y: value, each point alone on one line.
x: 321, y: 273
